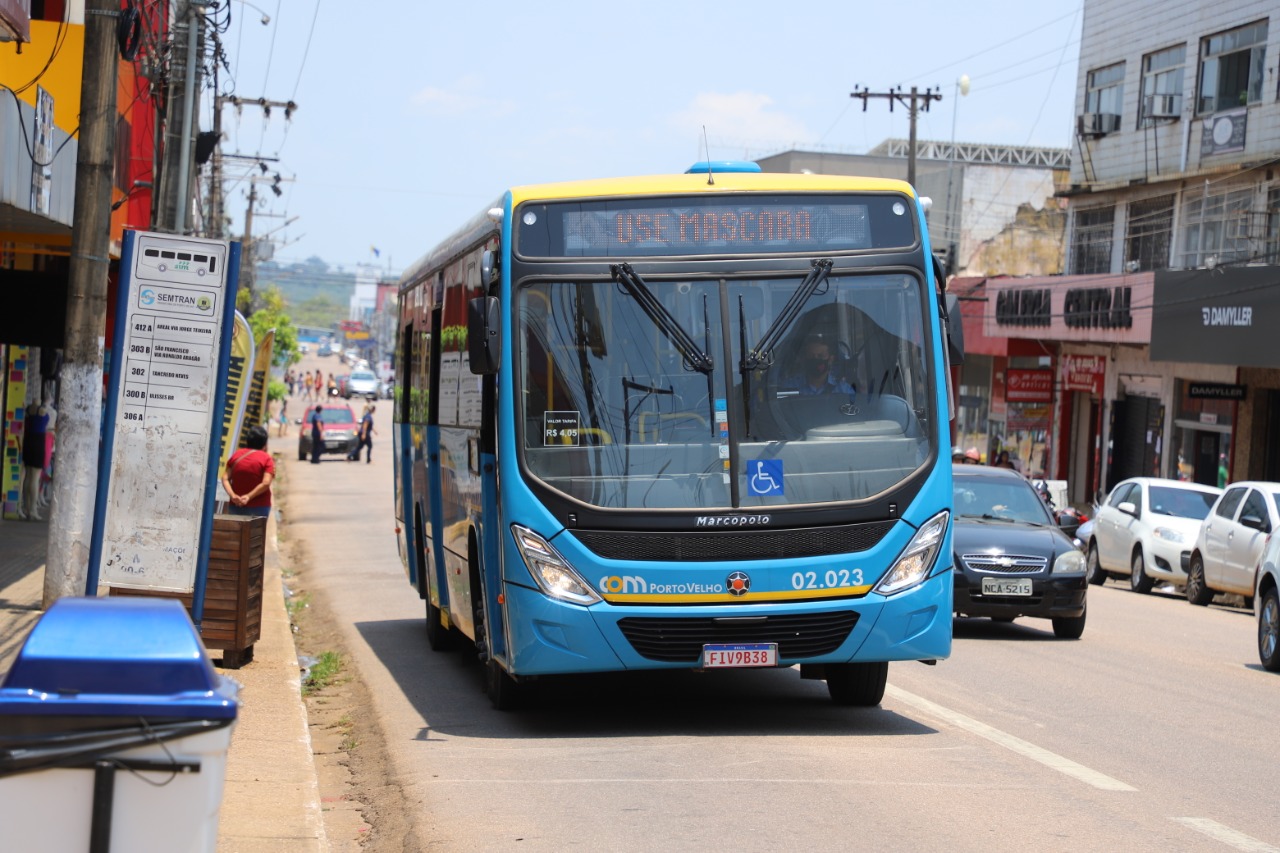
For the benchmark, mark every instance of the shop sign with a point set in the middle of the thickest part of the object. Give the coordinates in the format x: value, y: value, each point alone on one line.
x: 1084, y: 373
x: 1028, y: 417
x: 1029, y: 385
x: 1214, y: 391
x: 1098, y: 308
x: 1224, y: 316
x: 1024, y: 307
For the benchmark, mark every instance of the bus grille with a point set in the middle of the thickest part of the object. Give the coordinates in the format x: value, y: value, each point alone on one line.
x: 680, y: 640
x: 687, y: 546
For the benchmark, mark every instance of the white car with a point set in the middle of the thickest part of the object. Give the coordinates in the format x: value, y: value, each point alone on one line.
x: 362, y: 383
x: 1226, y: 554
x: 1266, y: 601
x: 1144, y: 529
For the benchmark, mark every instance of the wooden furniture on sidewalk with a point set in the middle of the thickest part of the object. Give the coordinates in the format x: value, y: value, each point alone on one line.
x: 232, y: 619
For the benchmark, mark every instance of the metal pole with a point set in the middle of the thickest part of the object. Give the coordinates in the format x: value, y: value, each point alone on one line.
x: 71, y: 516
x: 911, y: 140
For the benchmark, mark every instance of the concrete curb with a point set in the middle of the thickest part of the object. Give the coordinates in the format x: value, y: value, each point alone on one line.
x: 271, y: 801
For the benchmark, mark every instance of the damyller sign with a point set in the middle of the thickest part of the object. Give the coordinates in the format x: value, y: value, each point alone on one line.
x: 159, y: 460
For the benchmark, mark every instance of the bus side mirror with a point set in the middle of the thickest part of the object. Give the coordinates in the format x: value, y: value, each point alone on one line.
x: 484, y: 335
x: 488, y: 268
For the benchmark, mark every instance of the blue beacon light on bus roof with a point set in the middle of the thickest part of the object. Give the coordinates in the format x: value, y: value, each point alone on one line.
x: 704, y: 166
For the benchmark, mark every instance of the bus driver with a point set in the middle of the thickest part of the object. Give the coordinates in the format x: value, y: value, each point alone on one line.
x: 814, y: 376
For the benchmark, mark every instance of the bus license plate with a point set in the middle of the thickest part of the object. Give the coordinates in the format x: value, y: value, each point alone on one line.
x: 1006, y: 586
x: 717, y: 656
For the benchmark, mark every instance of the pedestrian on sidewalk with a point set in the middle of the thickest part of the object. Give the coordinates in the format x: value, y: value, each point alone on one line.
x: 317, y: 435
x: 249, y: 474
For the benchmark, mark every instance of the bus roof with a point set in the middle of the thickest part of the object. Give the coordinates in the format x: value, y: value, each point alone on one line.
x: 722, y: 182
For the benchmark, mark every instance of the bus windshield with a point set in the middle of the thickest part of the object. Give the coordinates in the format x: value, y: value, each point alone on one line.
x: 814, y: 389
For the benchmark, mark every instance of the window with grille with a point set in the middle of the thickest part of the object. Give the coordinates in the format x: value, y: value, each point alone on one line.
x: 1147, y: 233
x: 1091, y: 240
x: 1216, y: 226
x: 1231, y: 68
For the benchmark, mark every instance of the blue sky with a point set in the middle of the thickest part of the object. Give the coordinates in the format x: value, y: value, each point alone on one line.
x: 412, y: 116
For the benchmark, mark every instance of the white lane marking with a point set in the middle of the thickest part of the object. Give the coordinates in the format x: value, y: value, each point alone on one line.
x: 1008, y: 741
x: 1227, y: 835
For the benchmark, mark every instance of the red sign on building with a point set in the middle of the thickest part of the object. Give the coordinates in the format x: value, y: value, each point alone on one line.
x: 1084, y: 373
x: 1028, y: 386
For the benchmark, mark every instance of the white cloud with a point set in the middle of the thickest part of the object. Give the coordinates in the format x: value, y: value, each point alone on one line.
x: 464, y: 96
x: 737, y: 119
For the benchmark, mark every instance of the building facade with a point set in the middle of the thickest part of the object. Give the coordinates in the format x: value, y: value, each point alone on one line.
x: 1173, y: 230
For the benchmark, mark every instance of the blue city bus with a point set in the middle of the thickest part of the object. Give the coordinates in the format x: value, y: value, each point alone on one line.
x: 691, y: 421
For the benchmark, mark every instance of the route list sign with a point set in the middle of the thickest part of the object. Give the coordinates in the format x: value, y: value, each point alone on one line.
x: 172, y: 303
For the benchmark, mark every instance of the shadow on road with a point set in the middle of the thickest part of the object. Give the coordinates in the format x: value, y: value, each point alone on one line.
x: 447, y: 689
x: 981, y: 628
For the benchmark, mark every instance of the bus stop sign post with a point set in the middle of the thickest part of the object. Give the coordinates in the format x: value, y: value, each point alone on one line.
x: 166, y: 390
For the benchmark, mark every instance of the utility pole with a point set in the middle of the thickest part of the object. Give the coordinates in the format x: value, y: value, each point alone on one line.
x: 247, y: 260
x: 173, y: 200
x: 75, y: 487
x: 912, y: 102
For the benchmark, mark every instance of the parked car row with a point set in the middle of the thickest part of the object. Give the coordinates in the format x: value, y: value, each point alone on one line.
x: 1201, y: 538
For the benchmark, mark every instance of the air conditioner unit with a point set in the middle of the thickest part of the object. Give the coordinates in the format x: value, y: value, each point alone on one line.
x: 1098, y: 124
x: 1163, y: 106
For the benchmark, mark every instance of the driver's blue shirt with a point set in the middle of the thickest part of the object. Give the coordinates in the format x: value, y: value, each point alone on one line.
x: 800, y: 384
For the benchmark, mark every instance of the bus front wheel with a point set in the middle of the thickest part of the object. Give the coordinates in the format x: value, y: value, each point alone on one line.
x: 857, y: 684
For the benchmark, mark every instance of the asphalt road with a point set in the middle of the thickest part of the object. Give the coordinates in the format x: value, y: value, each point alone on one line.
x: 1155, y: 731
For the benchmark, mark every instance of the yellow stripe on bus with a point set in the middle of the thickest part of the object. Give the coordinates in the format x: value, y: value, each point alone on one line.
x: 749, y: 598
x: 768, y: 182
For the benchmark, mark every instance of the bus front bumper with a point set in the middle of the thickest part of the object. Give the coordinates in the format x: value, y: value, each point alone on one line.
x: 552, y: 637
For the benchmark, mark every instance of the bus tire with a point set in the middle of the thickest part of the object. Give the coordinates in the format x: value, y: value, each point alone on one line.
x: 857, y: 684
x: 505, y: 692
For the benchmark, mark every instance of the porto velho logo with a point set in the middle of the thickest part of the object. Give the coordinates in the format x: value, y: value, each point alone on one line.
x: 204, y: 303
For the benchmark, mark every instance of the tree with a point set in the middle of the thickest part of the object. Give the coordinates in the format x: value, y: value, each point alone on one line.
x: 271, y: 314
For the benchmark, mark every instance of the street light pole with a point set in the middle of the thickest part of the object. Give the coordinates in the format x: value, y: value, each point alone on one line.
x: 953, y: 236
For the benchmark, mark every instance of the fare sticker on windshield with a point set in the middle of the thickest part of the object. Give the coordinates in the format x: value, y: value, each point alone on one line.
x: 561, y: 428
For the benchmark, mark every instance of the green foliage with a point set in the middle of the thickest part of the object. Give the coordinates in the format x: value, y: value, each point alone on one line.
x: 323, y: 672
x: 453, y: 338
x: 271, y: 314
x: 318, y: 311
x: 276, y: 390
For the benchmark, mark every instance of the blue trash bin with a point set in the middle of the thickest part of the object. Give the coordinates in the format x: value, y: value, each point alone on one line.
x: 114, y: 731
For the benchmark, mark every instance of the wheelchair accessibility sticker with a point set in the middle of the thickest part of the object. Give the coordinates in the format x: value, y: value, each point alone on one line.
x: 764, y: 477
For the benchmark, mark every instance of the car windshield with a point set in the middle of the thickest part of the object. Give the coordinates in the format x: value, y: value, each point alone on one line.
x: 1007, y: 499
x: 363, y: 377
x: 1183, y: 503
x: 615, y: 413
x: 337, y: 416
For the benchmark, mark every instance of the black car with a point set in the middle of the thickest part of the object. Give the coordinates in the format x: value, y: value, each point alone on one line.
x: 1011, y: 558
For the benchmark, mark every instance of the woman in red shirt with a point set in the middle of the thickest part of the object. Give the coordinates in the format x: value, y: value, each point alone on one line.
x: 248, y: 477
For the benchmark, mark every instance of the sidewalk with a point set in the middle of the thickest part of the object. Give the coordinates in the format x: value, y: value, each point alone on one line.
x: 271, y: 801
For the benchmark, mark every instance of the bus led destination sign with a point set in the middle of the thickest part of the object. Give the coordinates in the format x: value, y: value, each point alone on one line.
x: 703, y: 226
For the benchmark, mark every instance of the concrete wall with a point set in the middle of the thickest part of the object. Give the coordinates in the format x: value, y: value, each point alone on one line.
x: 1126, y: 30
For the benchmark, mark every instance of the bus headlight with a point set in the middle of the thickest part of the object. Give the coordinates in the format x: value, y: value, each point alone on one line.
x: 1069, y: 563
x: 917, y: 558
x: 553, y: 574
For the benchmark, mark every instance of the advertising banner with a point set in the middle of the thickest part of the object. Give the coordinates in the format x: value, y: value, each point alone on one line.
x: 255, y: 407
x: 15, y: 389
x: 1083, y: 373
x: 1220, y: 316
x: 238, y: 368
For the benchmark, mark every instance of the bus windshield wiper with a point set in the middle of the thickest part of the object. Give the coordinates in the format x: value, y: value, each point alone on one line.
x: 631, y: 281
x: 763, y: 352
